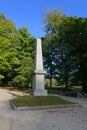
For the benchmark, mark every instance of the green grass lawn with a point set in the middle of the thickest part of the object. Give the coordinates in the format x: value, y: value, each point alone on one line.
x: 23, y: 101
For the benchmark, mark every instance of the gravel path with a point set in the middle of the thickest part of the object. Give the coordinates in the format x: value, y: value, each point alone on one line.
x: 73, y: 118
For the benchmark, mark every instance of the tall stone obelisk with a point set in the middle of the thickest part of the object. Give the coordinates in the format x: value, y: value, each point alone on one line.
x: 38, y: 74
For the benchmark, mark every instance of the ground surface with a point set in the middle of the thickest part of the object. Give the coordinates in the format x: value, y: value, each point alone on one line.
x: 73, y: 118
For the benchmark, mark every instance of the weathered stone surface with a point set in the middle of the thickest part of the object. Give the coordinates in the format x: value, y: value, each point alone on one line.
x: 38, y: 63
x: 38, y: 74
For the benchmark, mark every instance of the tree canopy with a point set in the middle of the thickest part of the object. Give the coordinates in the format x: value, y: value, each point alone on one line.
x: 16, y: 54
x: 66, y: 44
x: 64, y: 51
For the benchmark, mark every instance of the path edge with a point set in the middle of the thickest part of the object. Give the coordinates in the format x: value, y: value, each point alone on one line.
x: 43, y: 107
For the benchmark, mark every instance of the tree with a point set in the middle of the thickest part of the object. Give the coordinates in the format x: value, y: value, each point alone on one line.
x: 54, y: 28
x: 25, y: 54
x: 16, y: 54
x: 81, y: 52
x: 8, y: 39
x: 49, y: 58
x: 66, y: 35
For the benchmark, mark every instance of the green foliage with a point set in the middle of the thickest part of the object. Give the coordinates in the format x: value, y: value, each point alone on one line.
x: 8, y: 38
x: 25, y: 54
x: 19, y: 80
x: 16, y: 54
x: 8, y: 30
x: 65, y: 53
x: 1, y: 76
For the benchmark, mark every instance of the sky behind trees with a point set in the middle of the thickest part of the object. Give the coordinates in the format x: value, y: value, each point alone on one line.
x: 30, y: 13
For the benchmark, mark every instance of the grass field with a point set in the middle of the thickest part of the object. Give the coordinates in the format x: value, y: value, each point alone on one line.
x: 23, y: 101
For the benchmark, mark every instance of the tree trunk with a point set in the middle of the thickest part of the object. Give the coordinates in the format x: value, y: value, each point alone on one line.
x: 50, y: 82
x: 66, y: 85
x: 84, y: 87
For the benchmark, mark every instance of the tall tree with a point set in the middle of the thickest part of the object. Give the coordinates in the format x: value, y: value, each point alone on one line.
x: 8, y: 39
x: 26, y: 55
x: 49, y: 58
x: 68, y: 34
x: 54, y: 28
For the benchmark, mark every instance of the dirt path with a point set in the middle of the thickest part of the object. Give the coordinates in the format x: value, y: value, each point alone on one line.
x: 46, y: 119
x: 5, y: 111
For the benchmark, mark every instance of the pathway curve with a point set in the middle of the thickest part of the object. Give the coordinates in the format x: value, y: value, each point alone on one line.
x: 45, y: 119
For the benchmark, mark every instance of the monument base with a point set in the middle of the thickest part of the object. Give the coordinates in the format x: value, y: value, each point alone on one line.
x: 38, y: 92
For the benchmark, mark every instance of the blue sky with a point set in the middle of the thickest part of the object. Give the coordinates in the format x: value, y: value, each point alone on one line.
x: 30, y: 13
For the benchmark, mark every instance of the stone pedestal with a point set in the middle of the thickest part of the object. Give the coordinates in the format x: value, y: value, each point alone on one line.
x: 38, y: 74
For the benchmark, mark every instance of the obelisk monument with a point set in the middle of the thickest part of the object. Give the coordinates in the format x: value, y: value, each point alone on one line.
x: 38, y: 74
